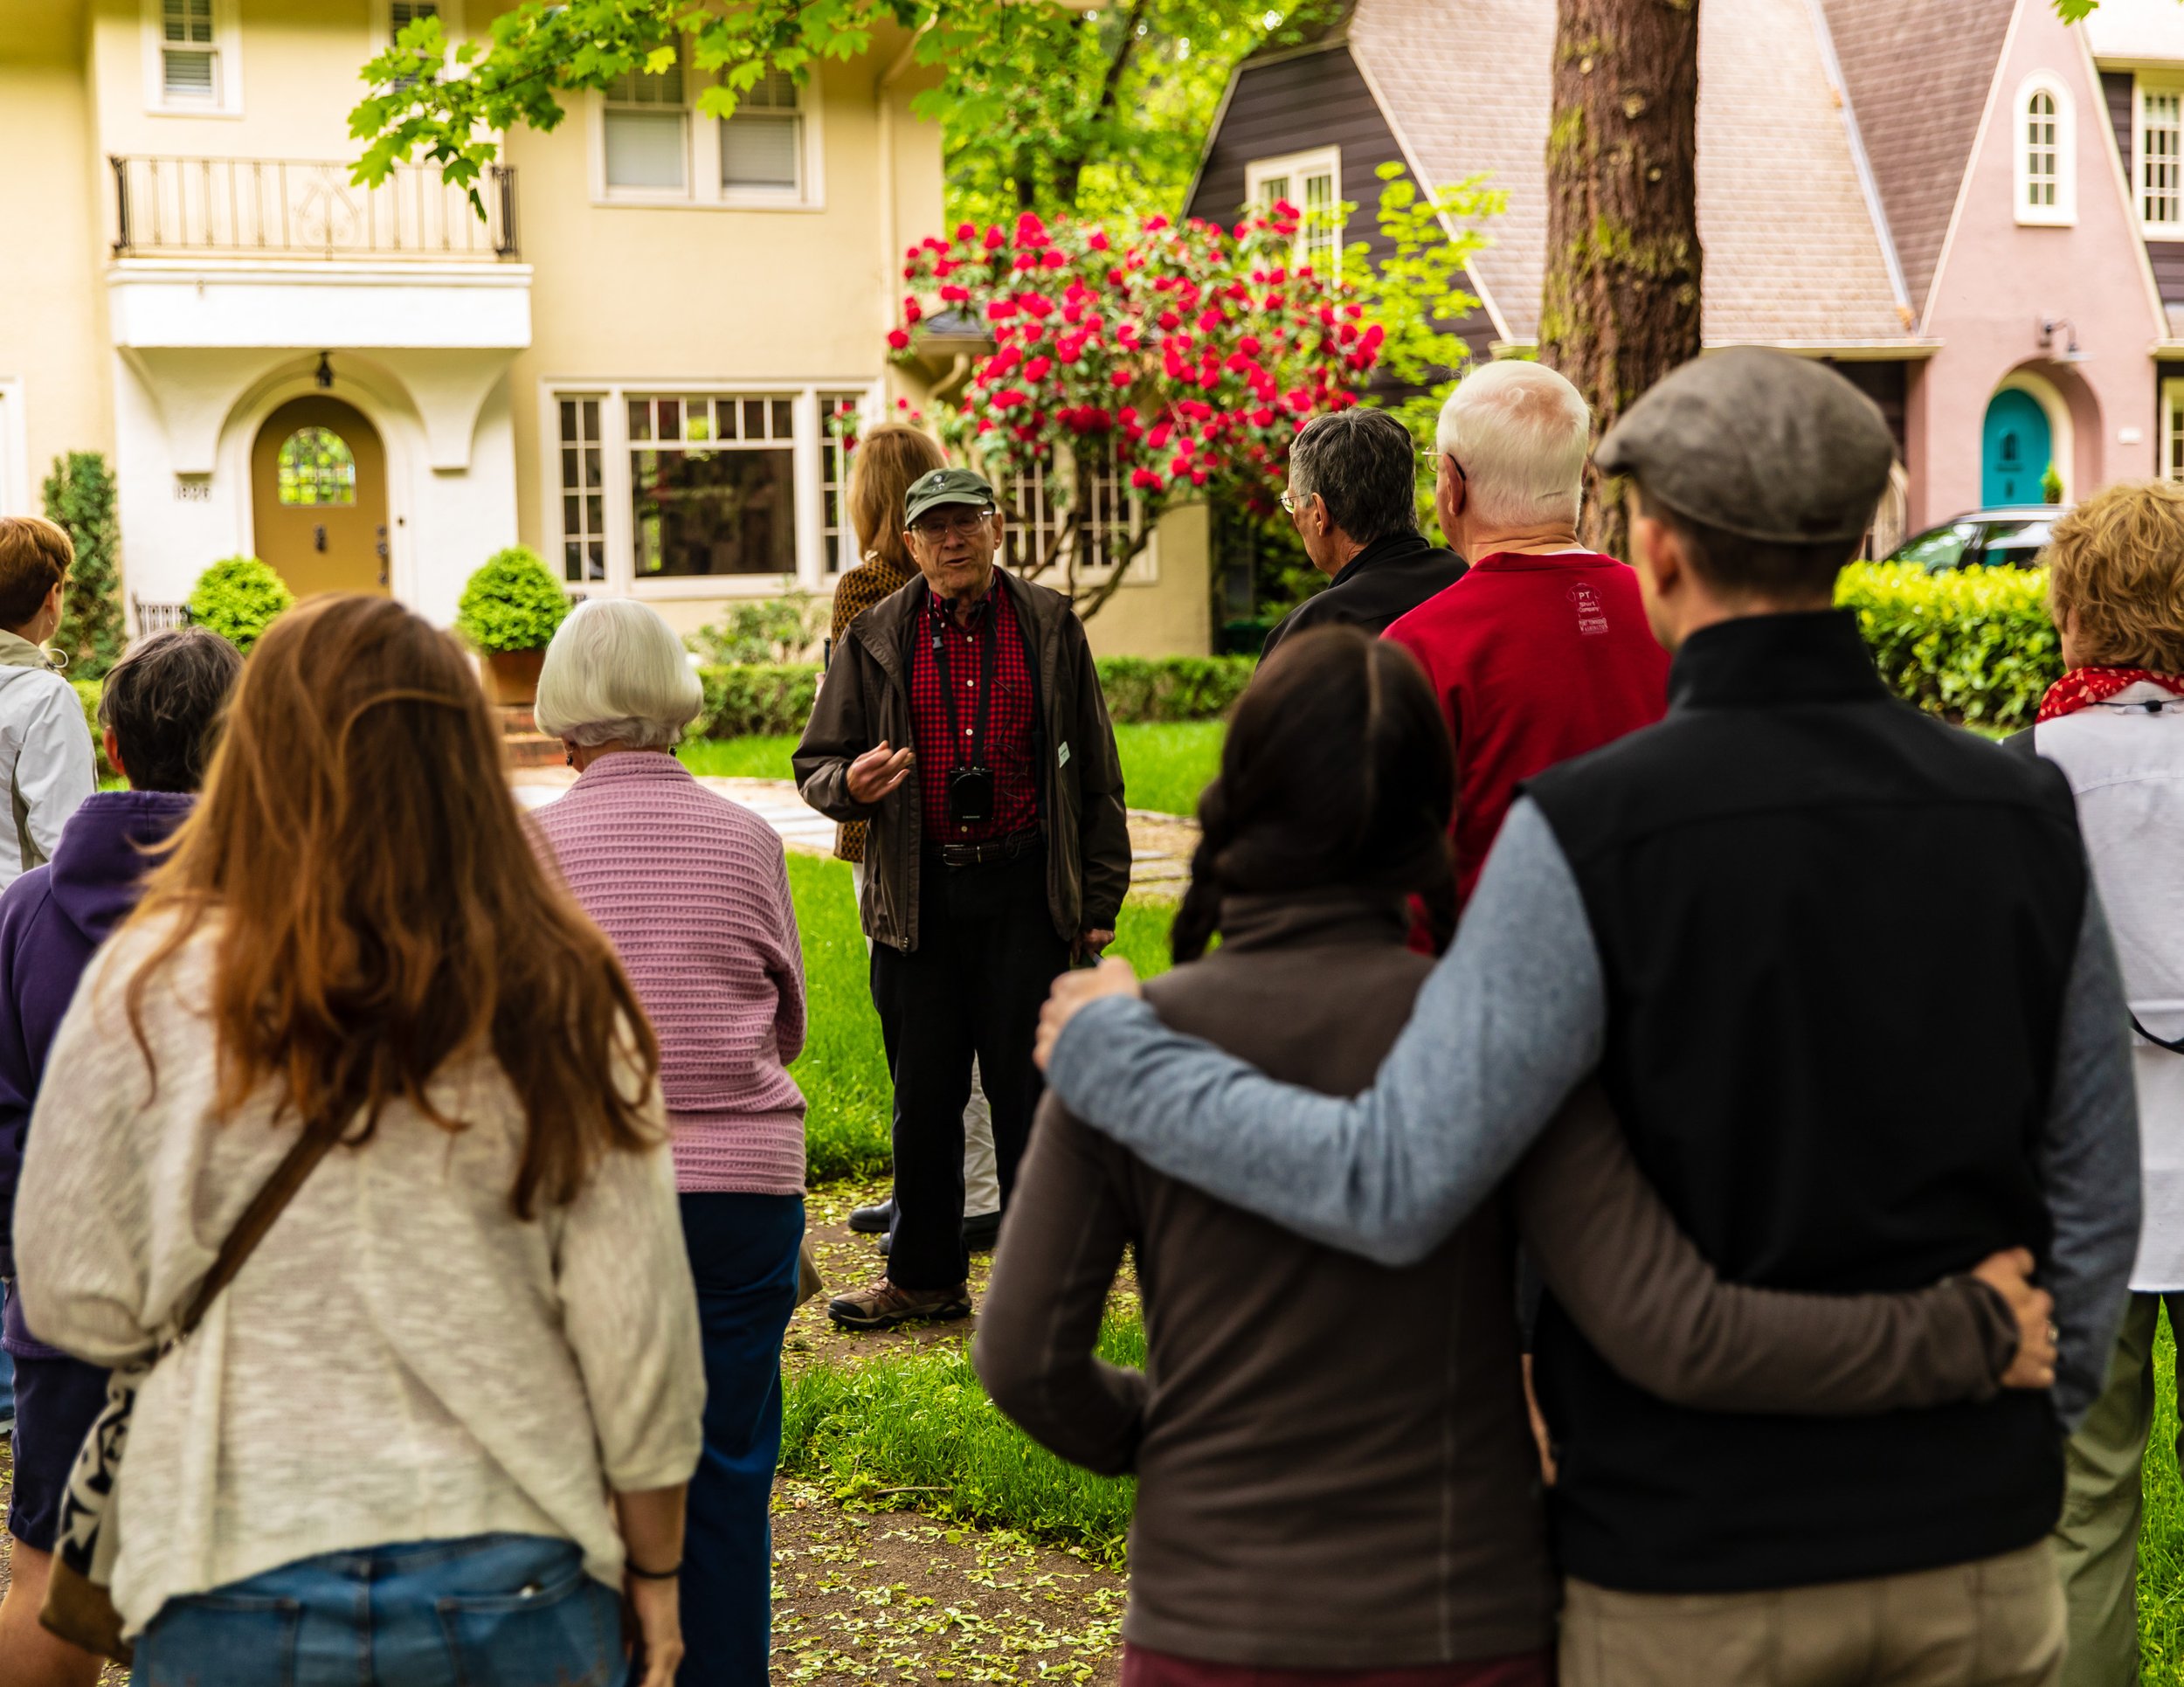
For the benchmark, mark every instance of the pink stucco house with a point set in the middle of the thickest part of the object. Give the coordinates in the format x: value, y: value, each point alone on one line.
x: 1972, y: 210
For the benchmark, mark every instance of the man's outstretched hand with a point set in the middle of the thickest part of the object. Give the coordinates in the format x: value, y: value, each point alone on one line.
x: 1071, y: 991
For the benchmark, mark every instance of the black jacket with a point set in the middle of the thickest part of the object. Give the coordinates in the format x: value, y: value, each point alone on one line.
x: 866, y: 698
x: 1836, y: 935
x: 1379, y: 586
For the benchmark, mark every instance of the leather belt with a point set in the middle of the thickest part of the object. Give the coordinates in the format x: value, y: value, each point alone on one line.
x: 1012, y: 848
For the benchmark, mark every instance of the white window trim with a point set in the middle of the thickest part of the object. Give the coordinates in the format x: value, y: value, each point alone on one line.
x: 1144, y: 569
x: 227, y: 73
x: 2140, y: 85
x: 811, y: 575
x: 2063, y: 212
x: 701, y: 160
x: 1315, y: 161
x: 450, y: 24
x: 2172, y: 402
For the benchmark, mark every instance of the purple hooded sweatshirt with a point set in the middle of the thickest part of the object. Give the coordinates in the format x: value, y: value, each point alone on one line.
x: 52, y: 920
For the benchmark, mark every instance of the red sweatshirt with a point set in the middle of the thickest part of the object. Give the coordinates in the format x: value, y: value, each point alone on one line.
x: 1535, y: 660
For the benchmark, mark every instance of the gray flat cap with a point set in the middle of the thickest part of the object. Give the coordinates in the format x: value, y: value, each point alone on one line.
x: 1759, y: 444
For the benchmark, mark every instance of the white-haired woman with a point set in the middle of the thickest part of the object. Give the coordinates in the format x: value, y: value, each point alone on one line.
x: 693, y: 892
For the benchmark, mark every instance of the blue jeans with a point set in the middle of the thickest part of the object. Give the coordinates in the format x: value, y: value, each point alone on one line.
x: 491, y: 1611
x: 743, y: 1256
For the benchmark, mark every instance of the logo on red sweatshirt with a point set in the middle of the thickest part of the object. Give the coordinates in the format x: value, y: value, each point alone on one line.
x: 1592, y: 618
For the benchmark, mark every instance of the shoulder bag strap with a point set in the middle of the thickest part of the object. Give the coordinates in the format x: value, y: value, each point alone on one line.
x: 2176, y: 1047
x: 317, y: 1140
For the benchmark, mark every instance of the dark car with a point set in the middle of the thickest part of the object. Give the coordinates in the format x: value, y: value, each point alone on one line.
x: 1986, y: 538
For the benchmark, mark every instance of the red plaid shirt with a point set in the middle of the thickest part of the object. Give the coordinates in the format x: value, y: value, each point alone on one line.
x: 1008, y: 729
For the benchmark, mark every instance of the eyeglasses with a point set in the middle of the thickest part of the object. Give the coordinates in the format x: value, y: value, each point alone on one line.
x: 1431, y: 460
x: 942, y: 527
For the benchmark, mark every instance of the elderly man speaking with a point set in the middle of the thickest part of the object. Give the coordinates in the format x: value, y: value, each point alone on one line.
x: 963, y: 719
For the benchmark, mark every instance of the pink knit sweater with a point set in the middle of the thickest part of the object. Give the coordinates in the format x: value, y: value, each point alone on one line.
x: 693, y: 892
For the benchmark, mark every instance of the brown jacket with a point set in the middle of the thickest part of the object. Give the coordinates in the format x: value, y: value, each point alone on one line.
x: 865, y: 700
x: 1335, y: 1469
x: 856, y: 591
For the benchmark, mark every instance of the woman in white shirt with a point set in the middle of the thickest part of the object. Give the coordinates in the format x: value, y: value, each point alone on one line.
x: 2115, y: 724
x: 439, y: 1427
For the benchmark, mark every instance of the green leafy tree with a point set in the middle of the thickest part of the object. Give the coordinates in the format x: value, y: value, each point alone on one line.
x: 238, y: 598
x: 79, y: 496
x: 1044, y: 107
x: 513, y: 603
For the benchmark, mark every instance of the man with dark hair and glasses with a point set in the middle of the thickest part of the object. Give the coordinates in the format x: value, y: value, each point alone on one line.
x: 962, y: 719
x: 1353, y: 496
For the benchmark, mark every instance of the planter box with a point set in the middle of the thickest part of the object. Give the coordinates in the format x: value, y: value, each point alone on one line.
x: 512, y: 675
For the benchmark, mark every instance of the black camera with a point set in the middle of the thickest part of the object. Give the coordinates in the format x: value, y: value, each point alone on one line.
x: 971, y: 796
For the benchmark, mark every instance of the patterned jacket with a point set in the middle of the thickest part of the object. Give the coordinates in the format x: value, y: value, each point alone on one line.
x: 856, y: 591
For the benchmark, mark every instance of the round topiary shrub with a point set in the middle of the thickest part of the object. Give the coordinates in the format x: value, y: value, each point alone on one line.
x: 512, y: 603
x: 237, y: 598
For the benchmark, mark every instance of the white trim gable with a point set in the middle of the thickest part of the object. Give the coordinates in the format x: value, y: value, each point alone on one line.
x: 1970, y: 157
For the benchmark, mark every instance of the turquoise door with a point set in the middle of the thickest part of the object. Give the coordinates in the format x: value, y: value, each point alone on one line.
x: 2013, y: 450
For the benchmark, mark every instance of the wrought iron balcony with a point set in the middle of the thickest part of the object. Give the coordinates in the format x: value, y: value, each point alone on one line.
x: 305, y: 208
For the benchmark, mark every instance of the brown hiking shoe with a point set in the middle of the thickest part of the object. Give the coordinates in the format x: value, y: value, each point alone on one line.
x: 885, y: 1305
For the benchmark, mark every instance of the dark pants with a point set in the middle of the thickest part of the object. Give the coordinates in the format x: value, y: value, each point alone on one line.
x: 56, y: 1400
x: 743, y: 1257
x: 986, y: 952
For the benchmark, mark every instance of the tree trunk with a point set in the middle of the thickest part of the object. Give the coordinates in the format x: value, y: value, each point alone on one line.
x: 1620, y: 304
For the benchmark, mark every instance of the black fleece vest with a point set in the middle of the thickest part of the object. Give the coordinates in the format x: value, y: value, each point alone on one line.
x: 1836, y: 935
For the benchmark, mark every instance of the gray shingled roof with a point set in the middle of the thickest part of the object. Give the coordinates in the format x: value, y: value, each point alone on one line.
x: 1794, y: 254
x: 1919, y: 76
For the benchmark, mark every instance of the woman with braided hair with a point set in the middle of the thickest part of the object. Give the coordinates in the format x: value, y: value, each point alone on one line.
x: 1335, y: 1472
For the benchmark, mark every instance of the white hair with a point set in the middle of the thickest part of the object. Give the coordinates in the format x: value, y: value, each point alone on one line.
x: 1519, y: 433
x: 616, y: 673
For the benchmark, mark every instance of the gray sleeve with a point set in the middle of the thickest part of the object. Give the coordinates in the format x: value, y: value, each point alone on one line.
x: 1510, y: 1021
x: 2089, y: 1168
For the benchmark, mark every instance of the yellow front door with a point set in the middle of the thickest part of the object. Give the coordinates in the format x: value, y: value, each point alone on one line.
x: 319, y: 491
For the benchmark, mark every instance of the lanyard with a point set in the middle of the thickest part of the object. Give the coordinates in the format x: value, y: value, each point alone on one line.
x: 986, y: 643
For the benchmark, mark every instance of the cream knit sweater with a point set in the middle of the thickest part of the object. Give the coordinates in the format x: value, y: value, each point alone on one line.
x: 400, y: 1360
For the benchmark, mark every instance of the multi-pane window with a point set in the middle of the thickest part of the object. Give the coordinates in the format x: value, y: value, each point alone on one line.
x: 189, y: 62
x: 2041, y: 171
x: 315, y: 467
x: 2161, y: 157
x: 2173, y: 429
x: 838, y: 412
x: 403, y: 13
x: 1311, y: 181
x: 583, y: 491
x: 762, y: 144
x: 648, y: 131
x: 1037, y: 523
x: 712, y: 484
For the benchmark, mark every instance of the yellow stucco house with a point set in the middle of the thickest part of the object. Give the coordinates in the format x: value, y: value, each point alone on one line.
x: 628, y: 364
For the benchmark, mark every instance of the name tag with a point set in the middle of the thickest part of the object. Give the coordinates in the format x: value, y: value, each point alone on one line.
x: 1061, y: 757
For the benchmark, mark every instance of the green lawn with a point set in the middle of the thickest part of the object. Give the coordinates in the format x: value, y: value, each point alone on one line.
x: 844, y: 1071
x: 1164, y: 765
x: 2161, y: 1541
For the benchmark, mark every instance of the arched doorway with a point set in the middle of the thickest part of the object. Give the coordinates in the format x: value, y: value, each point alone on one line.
x: 319, y: 497
x: 2015, y: 447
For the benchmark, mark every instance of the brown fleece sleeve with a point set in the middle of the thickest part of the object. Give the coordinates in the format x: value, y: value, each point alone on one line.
x: 1655, y: 1309
x: 1060, y: 1246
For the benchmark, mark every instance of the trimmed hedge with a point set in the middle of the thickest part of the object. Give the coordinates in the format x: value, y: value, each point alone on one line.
x: 238, y: 598
x: 774, y: 698
x: 512, y: 603
x: 1974, y: 645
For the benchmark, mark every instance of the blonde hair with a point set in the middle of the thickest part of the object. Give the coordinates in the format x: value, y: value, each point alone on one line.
x: 1519, y: 432
x: 35, y: 556
x: 616, y: 673
x: 884, y: 463
x: 2116, y: 563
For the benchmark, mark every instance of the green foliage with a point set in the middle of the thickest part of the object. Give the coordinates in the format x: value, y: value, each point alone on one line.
x: 781, y: 629
x: 79, y: 495
x: 512, y: 603
x: 2051, y: 484
x: 922, y: 1422
x: 1417, y: 294
x: 1974, y: 645
x: 238, y: 599
x: 1173, y: 687
x: 756, y: 698
x: 1042, y: 105
x: 87, y: 693
x: 2161, y: 1539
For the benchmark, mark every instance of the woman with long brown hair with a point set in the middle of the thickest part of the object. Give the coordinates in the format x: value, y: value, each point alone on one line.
x: 395, y: 1433
x: 886, y: 461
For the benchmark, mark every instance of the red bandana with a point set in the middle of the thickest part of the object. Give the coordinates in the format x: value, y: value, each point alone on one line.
x: 2083, y: 686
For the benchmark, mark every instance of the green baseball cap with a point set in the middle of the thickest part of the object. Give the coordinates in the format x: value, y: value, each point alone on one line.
x: 946, y: 486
